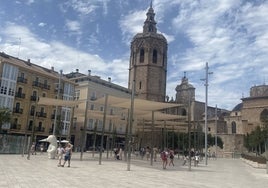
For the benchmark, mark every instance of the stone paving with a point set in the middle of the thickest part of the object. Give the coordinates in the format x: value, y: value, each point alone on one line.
x: 18, y: 172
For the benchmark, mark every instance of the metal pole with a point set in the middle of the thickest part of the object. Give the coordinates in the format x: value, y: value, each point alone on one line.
x: 56, y: 111
x: 131, y: 123
x: 83, y: 137
x: 206, y: 115
x: 152, y: 138
x: 103, y: 127
x: 33, y: 126
x: 189, y: 130
x: 216, y: 130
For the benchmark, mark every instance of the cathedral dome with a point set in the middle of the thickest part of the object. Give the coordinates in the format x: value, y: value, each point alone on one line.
x: 238, y: 107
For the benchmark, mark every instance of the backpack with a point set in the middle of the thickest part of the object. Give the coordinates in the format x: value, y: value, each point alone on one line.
x: 163, y: 155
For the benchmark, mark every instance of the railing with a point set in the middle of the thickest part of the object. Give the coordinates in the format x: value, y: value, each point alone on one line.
x: 15, y: 126
x: 41, y: 114
x: 20, y: 95
x: 41, y: 85
x: 18, y: 110
x: 39, y: 129
x: 22, y: 80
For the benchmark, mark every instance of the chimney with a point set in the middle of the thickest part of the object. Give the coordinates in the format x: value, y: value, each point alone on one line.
x: 89, y: 72
x: 109, y: 79
x: 77, y: 70
x: 29, y: 60
x: 52, y: 68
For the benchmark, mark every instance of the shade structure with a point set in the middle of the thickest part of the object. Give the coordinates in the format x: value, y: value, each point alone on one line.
x: 96, y: 114
x: 139, y: 104
x: 57, y: 102
x: 160, y: 116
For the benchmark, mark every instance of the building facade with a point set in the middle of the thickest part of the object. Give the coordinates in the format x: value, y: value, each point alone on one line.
x: 22, y: 83
x: 91, y: 88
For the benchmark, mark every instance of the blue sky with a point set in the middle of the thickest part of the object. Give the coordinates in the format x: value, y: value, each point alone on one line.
x: 231, y: 35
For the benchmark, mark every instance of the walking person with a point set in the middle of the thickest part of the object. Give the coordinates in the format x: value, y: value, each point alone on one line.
x: 68, y: 154
x: 164, y: 157
x: 171, y: 157
x: 60, y: 152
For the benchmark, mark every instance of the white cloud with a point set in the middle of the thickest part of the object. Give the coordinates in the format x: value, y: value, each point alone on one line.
x: 73, y: 26
x: 42, y: 24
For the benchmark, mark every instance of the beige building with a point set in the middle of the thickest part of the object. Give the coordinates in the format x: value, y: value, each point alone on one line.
x: 22, y: 83
x: 91, y: 88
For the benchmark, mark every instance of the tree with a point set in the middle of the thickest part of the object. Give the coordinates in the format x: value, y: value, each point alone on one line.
x: 5, y: 117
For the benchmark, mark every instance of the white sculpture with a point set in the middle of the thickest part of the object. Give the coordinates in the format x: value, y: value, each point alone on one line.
x: 52, y: 148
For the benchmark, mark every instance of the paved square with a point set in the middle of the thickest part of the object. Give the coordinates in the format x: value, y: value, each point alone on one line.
x: 18, y: 172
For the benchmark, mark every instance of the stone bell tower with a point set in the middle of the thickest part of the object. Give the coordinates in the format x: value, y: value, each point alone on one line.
x: 148, y: 61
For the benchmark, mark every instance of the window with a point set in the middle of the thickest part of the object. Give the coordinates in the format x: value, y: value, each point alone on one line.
x: 233, y: 127
x: 92, y: 107
x: 155, y: 56
x: 142, y: 55
x: 140, y: 85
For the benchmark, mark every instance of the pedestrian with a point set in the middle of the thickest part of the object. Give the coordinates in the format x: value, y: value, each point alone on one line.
x: 60, y: 152
x: 171, y: 157
x: 155, y: 150
x: 184, y: 160
x: 68, y: 154
x: 147, y: 153
x: 120, y: 154
x: 164, y: 156
x: 42, y: 148
x: 33, y: 150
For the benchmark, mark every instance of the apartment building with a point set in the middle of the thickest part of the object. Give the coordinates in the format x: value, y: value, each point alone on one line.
x: 22, y: 83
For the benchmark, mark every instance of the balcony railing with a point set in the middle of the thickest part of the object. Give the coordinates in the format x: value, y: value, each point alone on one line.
x: 22, y: 80
x: 15, y: 126
x: 18, y: 110
x: 41, y: 114
x: 41, y: 85
x: 20, y: 95
x: 39, y: 129
x: 33, y: 98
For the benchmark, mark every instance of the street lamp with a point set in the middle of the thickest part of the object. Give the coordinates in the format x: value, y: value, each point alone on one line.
x: 206, y: 116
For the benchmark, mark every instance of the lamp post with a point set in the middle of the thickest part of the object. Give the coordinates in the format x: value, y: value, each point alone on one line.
x: 216, y: 131
x: 206, y: 116
x: 56, y: 111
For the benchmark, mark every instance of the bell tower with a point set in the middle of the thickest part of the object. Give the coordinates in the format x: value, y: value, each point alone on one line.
x: 148, y: 61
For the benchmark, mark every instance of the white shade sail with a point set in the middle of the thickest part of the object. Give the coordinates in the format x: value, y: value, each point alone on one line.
x: 57, y: 102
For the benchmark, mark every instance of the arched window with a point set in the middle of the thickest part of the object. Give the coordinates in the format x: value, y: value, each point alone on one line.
x: 233, y: 127
x: 183, y: 112
x: 142, y: 55
x: 264, y: 116
x: 140, y: 85
x: 154, y: 56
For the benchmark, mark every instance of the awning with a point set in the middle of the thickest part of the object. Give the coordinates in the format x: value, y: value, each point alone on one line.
x: 139, y: 104
x: 57, y: 102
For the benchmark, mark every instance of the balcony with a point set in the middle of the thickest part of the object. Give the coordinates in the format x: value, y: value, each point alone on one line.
x: 39, y: 129
x: 17, y: 110
x: 41, y: 114
x: 15, y: 126
x: 33, y: 98
x: 52, y: 116
x: 60, y: 91
x: 20, y: 95
x: 41, y: 85
x: 22, y: 80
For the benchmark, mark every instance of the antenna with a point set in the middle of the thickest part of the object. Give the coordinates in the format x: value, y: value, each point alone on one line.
x: 19, y: 47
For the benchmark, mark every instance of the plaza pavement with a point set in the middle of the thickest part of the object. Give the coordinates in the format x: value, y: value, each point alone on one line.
x: 18, y: 172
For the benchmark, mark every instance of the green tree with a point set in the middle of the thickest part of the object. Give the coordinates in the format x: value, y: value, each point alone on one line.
x: 5, y: 117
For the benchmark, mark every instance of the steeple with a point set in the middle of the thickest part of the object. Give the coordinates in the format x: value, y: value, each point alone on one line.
x: 150, y: 24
